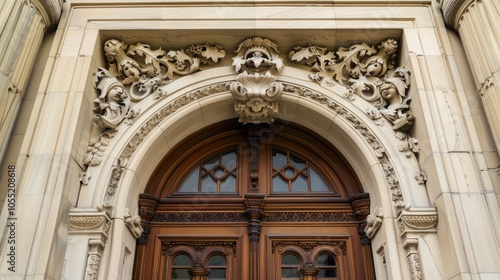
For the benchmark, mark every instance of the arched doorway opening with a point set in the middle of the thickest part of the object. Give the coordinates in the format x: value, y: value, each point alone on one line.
x: 237, y: 201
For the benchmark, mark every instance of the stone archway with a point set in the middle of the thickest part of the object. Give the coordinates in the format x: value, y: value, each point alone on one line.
x: 382, y: 158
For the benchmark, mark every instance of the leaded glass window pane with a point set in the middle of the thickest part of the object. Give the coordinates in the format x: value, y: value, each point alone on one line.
x: 214, y: 175
x: 294, y: 174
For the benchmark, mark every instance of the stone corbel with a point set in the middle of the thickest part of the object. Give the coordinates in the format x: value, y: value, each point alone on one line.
x: 93, y: 222
x: 373, y: 223
x: 256, y: 89
x: 133, y: 224
x: 420, y: 220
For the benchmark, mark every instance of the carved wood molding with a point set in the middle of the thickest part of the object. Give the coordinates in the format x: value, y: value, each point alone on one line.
x: 280, y: 247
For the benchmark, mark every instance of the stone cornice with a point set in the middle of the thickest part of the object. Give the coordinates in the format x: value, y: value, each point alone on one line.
x: 50, y: 10
x: 250, y: 2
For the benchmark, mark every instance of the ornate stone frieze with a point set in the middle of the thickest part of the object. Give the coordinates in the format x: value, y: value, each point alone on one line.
x: 256, y: 89
x: 134, y: 73
x: 89, y: 221
x: 364, y: 71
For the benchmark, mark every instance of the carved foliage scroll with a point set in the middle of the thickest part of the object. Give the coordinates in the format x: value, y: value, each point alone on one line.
x: 367, y: 72
x: 134, y: 73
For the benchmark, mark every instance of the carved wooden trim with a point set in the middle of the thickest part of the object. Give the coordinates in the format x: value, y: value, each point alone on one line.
x: 199, y: 217
x: 280, y: 247
x: 308, y: 217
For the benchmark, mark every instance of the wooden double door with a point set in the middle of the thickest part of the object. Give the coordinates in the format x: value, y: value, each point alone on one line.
x: 253, y: 202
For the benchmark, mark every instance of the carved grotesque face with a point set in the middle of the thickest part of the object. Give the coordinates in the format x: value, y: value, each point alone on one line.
x: 388, y: 90
x: 374, y: 69
x: 116, y: 94
x: 111, y: 47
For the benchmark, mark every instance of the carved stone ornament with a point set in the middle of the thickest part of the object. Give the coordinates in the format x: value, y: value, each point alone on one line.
x: 367, y: 72
x: 89, y: 221
x: 134, y: 73
x: 417, y: 221
x: 373, y: 223
x: 133, y: 224
x: 256, y: 90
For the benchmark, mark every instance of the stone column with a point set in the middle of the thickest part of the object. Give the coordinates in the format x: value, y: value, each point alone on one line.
x: 477, y: 23
x: 24, y: 25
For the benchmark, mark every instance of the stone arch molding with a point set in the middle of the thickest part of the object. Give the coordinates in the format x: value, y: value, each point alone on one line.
x: 144, y: 95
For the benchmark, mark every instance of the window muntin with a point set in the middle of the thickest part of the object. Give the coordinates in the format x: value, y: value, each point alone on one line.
x: 292, y: 174
x: 290, y: 265
x: 180, y: 267
x: 217, y: 174
x: 217, y: 266
x: 327, y: 266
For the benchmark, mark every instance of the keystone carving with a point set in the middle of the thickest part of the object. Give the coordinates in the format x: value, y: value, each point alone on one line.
x: 256, y: 90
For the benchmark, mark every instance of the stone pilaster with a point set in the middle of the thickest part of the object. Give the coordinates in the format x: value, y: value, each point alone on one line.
x: 413, y: 223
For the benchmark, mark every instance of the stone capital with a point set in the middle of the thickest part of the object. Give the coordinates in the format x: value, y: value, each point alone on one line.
x: 50, y: 10
x: 89, y: 221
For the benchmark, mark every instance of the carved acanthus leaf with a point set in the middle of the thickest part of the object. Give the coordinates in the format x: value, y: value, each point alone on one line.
x: 368, y: 72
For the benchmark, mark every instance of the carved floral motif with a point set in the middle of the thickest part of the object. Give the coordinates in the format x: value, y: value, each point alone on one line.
x: 134, y: 73
x: 367, y: 72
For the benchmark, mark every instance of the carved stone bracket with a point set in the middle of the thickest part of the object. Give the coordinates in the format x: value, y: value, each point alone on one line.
x: 134, y: 73
x: 417, y: 221
x: 373, y: 223
x: 256, y: 90
x: 412, y: 223
x: 133, y: 224
x: 94, y: 223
